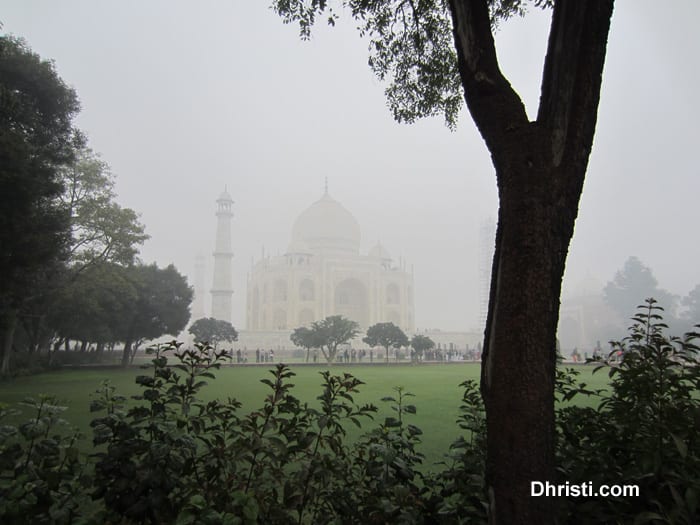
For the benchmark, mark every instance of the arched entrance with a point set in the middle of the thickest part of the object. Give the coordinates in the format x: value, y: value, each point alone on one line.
x: 351, y: 301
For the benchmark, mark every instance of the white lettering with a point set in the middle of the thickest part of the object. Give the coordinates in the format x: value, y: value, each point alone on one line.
x: 536, y: 488
x: 585, y: 489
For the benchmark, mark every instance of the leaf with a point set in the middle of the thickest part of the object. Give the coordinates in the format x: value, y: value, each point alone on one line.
x: 681, y: 446
x: 647, y: 517
x: 97, y: 404
x: 392, y: 422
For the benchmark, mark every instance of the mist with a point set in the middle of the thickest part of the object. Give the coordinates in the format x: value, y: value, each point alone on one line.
x: 183, y: 100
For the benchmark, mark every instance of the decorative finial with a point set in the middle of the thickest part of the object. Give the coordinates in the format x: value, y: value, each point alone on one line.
x: 326, y: 187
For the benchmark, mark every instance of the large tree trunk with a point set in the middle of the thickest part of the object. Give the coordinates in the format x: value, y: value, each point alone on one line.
x: 126, y: 356
x: 540, y: 167
x: 519, y: 359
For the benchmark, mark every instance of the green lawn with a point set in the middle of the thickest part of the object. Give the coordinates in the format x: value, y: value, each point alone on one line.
x: 436, y: 388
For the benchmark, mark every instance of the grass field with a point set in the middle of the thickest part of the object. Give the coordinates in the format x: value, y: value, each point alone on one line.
x: 436, y: 387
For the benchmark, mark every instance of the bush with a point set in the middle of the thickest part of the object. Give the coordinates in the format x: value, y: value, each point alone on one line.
x: 42, y: 478
x: 176, y: 459
x: 644, y: 431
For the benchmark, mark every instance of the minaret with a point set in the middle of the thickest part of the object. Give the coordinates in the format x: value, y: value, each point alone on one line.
x: 222, y: 290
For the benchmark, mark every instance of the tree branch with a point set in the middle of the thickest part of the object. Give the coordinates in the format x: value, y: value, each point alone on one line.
x: 495, y: 107
x: 570, y: 95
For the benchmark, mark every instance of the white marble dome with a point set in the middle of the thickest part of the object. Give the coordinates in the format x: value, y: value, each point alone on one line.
x: 327, y: 226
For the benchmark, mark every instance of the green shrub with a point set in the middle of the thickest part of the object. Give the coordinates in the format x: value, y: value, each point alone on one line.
x: 174, y: 458
x: 644, y: 431
x: 460, y: 488
x: 42, y: 477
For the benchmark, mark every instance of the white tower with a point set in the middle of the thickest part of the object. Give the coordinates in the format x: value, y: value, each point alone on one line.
x: 222, y: 289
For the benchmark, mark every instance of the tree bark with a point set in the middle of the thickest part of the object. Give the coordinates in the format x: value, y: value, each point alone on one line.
x: 134, y: 349
x: 126, y: 356
x: 540, y: 168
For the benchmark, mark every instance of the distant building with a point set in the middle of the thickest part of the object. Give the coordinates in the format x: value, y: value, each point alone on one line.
x: 323, y: 273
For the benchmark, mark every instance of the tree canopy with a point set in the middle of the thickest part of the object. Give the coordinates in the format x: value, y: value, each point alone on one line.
x: 411, y: 47
x: 306, y: 338
x: 92, y: 305
x: 37, y: 138
x: 162, y: 306
x: 691, y: 302
x: 100, y: 228
x: 421, y: 343
x: 58, y: 214
x: 387, y: 335
x: 329, y: 333
x: 213, y: 331
x: 631, y: 285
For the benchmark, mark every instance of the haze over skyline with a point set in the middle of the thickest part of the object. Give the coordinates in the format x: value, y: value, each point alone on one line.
x: 182, y: 99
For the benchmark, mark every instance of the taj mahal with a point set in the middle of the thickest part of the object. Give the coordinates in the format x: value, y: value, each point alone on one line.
x: 322, y: 272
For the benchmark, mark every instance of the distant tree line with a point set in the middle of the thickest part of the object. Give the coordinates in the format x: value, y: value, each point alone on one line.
x: 620, y: 296
x: 635, y: 280
x: 331, y: 333
x: 68, y: 251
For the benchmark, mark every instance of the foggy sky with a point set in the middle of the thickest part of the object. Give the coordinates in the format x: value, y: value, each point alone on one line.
x: 184, y: 98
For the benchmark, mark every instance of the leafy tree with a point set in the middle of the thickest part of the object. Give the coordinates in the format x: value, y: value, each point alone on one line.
x: 213, y: 331
x: 332, y: 332
x: 307, y: 338
x: 387, y: 335
x: 633, y: 281
x: 101, y: 233
x: 37, y: 137
x: 427, y: 50
x: 420, y: 344
x: 56, y: 200
x: 692, y: 304
x: 162, y: 306
x: 91, y: 307
x: 101, y: 230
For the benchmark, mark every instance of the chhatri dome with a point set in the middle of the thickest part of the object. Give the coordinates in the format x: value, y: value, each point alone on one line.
x: 380, y: 252
x: 225, y: 196
x: 325, y: 226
